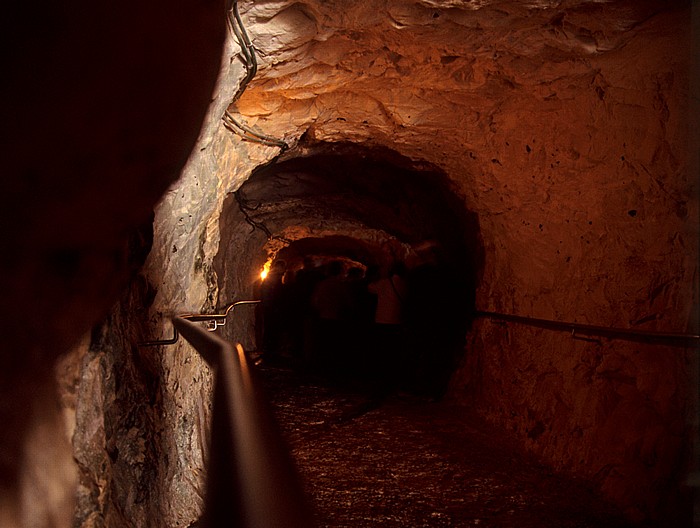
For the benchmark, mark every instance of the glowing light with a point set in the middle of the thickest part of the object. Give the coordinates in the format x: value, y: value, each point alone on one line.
x: 266, y: 269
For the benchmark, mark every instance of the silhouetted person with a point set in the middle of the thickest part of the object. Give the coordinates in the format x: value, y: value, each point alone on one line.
x: 302, y: 317
x: 360, y: 322
x: 357, y: 287
x: 388, y: 332
x: 330, y: 300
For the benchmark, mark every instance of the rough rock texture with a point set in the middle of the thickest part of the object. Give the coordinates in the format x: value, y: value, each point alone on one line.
x: 179, y: 269
x: 563, y: 127
x: 143, y: 411
x: 117, y: 434
x: 615, y: 413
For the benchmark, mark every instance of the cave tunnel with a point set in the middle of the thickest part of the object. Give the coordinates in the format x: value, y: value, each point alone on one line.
x: 545, y: 153
x: 370, y: 208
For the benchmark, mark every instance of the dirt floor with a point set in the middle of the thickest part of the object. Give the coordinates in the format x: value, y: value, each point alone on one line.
x: 398, y: 461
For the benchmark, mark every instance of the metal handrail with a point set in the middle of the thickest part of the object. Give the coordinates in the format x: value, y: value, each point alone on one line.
x: 213, y: 321
x: 252, y: 481
x: 668, y: 338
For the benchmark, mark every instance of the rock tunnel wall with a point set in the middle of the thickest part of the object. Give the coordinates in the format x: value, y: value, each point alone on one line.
x: 615, y: 413
x: 563, y: 128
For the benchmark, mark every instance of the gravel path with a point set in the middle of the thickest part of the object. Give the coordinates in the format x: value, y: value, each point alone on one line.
x: 400, y: 462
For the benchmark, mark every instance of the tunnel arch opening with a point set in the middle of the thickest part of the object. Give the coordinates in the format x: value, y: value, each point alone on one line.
x: 371, y: 206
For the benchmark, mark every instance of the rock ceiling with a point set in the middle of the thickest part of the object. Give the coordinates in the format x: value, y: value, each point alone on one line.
x: 398, y: 71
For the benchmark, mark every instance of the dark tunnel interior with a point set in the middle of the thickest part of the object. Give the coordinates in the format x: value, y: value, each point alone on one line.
x: 379, y: 211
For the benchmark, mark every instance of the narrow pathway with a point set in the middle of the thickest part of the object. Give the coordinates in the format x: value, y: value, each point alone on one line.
x: 407, y: 463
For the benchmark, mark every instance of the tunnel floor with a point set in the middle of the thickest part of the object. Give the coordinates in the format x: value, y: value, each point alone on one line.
x: 403, y: 462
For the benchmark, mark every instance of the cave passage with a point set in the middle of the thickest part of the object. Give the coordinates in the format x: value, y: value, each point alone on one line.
x: 393, y: 328
x: 374, y: 272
